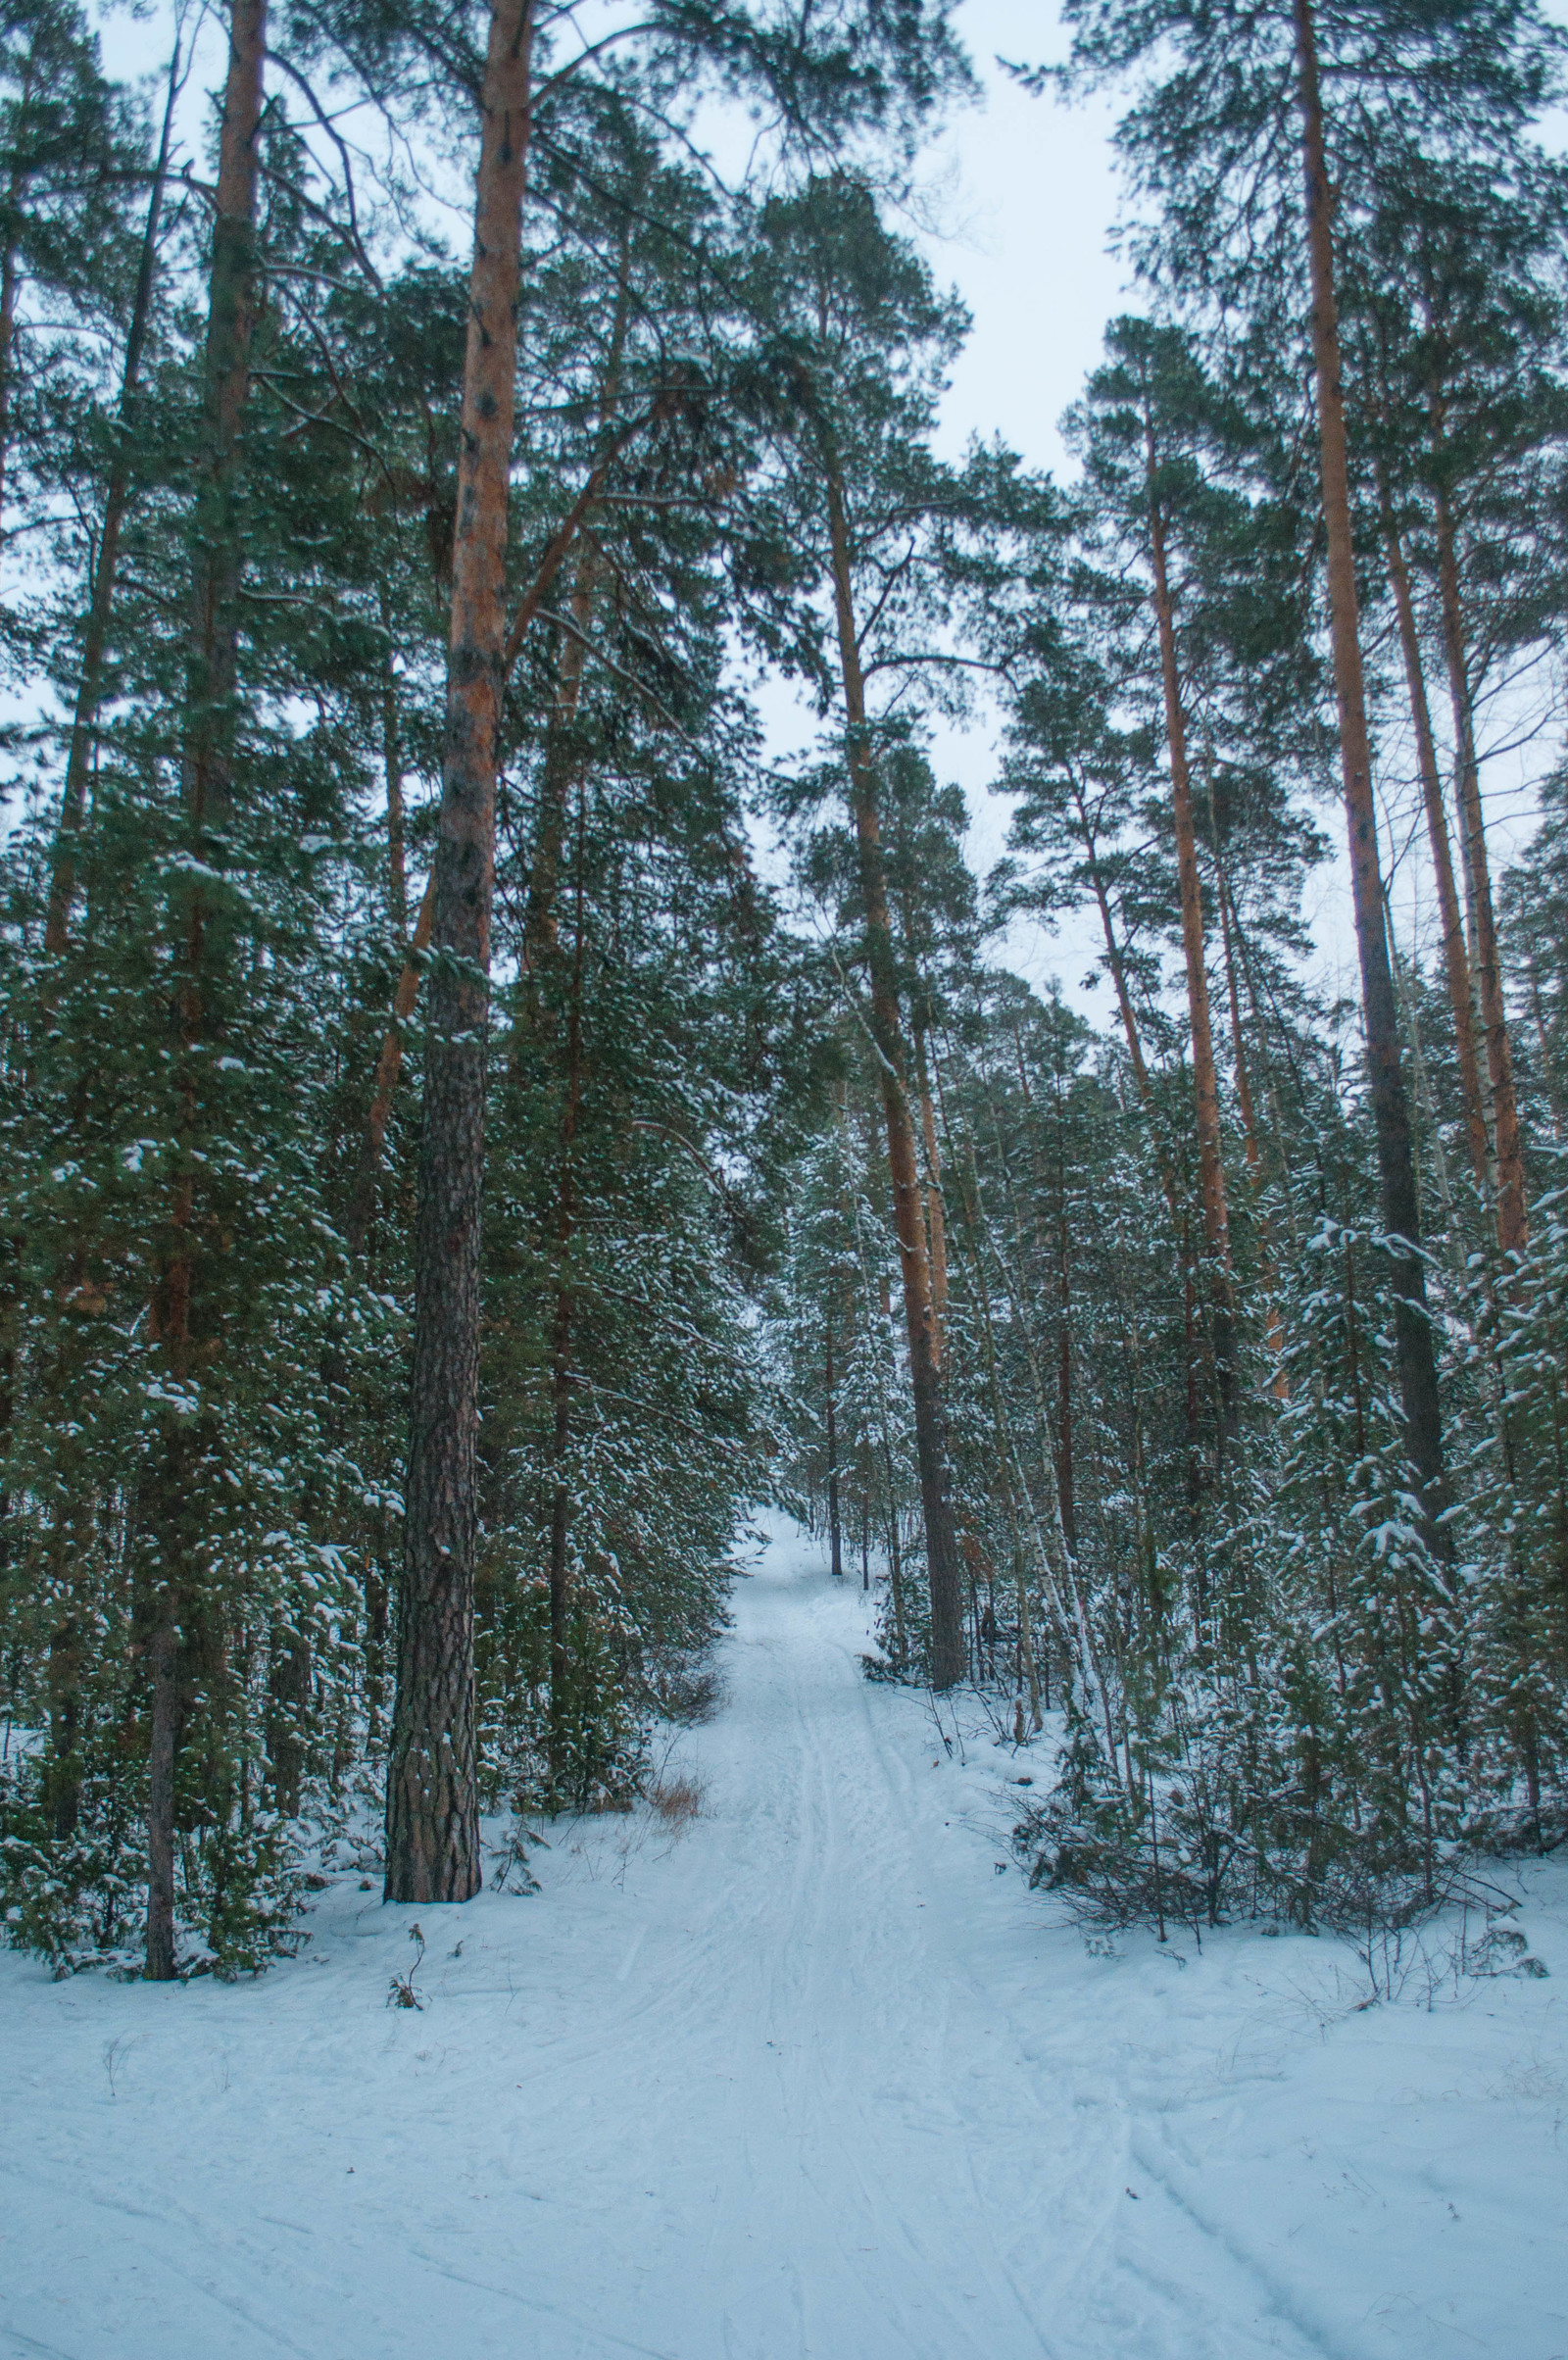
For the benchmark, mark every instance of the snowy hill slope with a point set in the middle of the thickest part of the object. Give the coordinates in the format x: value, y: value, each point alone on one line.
x: 812, y: 2079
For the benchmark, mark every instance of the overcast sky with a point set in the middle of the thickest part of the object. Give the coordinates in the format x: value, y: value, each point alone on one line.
x: 1020, y: 194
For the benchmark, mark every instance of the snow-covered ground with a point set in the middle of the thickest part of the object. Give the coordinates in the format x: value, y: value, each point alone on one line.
x: 812, y: 2078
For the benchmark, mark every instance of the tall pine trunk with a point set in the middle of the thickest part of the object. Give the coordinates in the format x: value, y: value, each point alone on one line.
x: 389, y: 1062
x: 1400, y: 1209
x: 1456, y: 960
x: 433, y: 1807
x: 1512, y: 1226
x: 207, y: 780
x: 948, y: 1648
x: 1206, y: 1080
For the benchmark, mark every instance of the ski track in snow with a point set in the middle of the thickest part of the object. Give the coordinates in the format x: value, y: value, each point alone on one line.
x: 811, y: 2082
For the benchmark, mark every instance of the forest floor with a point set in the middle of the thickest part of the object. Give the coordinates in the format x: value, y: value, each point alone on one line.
x: 810, y: 2078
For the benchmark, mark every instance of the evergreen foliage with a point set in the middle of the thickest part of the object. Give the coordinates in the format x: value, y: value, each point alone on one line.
x: 1089, y: 1349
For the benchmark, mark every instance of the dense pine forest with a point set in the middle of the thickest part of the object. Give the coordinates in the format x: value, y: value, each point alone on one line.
x: 480, y: 1121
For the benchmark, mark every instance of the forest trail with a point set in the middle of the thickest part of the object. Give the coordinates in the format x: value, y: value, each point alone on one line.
x: 813, y: 2082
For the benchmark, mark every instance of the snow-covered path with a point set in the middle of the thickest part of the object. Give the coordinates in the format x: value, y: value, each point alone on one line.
x: 811, y: 2081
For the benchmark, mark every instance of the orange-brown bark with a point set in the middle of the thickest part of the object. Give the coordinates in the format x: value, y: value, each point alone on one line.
x: 1417, y: 1367
x: 432, y: 1817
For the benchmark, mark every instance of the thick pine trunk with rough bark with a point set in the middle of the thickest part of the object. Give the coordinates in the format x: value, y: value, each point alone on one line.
x: 433, y: 1809
x: 1417, y: 1363
x: 389, y: 1062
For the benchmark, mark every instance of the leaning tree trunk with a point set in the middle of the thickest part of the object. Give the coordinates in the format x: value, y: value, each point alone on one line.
x: 432, y: 1804
x: 949, y: 1647
x: 1401, y: 1218
x: 1206, y: 1080
x: 208, y: 782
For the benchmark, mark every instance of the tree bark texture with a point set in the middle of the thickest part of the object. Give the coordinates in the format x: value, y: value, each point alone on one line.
x: 432, y: 1814
x: 949, y: 1649
x: 389, y: 1064
x: 1417, y: 1364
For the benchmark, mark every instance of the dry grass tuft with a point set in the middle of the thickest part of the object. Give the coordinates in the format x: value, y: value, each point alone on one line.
x: 676, y: 1802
